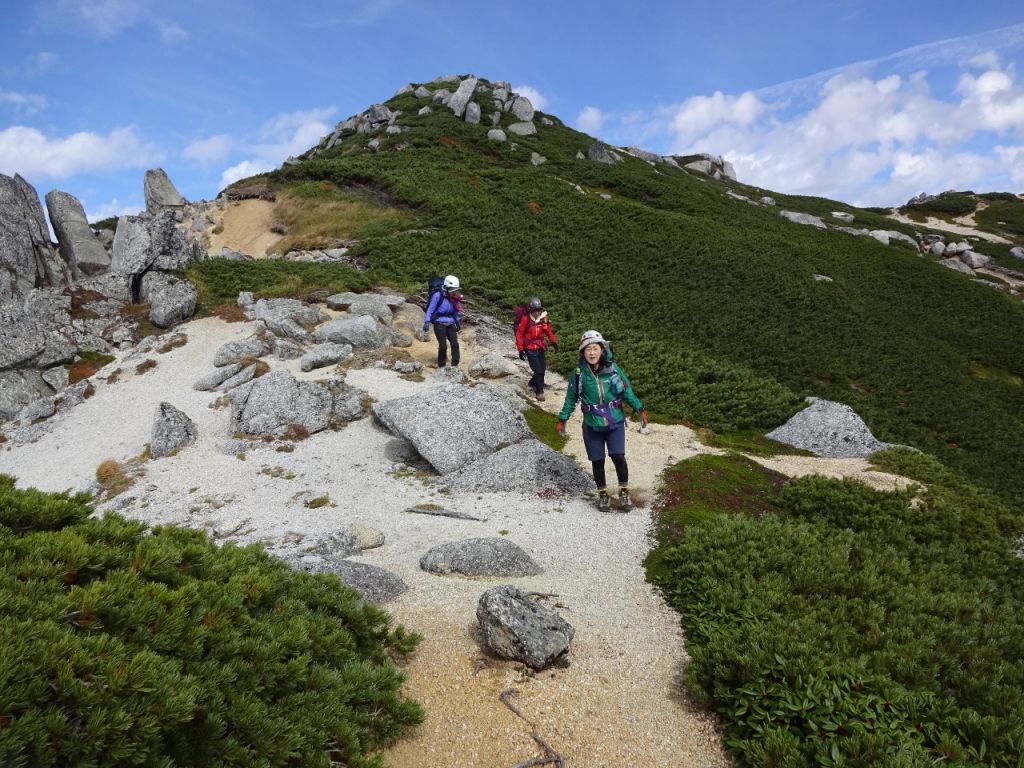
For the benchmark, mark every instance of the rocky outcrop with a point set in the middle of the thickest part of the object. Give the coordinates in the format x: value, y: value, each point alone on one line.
x: 480, y: 417
x: 277, y: 404
x: 171, y: 299
x: 288, y: 318
x: 362, y: 332
x: 27, y: 259
x: 172, y: 431
x: 829, y: 429
x: 151, y: 242
x: 803, y: 218
x: 457, y: 101
x: 235, y: 351
x: 600, y: 152
x: 513, y: 626
x: 323, y: 355
x: 712, y: 165
x: 160, y: 192
x: 79, y: 247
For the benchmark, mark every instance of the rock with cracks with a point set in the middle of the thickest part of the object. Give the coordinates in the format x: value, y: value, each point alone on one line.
x: 515, y: 627
x: 276, y: 403
x: 829, y: 429
x: 172, y: 431
x: 480, y: 557
x: 525, y: 467
x: 374, y: 584
x: 453, y: 425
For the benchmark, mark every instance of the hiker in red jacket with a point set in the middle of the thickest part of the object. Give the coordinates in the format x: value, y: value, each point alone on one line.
x: 533, y: 332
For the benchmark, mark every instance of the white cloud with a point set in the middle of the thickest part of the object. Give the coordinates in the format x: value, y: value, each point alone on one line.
x: 207, y: 151
x: 113, y: 208
x: 590, y: 120
x: 171, y: 33
x: 1012, y: 160
x: 24, y: 103
x: 42, y: 62
x: 698, y: 114
x: 986, y: 60
x: 107, y: 18
x: 536, y: 97
x: 29, y: 152
x: 287, y: 134
x: 992, y: 101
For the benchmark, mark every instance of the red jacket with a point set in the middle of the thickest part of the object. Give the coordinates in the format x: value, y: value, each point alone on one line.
x: 534, y: 334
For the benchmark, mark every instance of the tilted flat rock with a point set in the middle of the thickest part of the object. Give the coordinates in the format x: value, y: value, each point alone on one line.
x: 160, y: 192
x: 374, y: 584
x: 233, y: 351
x: 141, y: 242
x: 27, y: 259
x: 493, y: 365
x: 323, y: 355
x: 513, y: 626
x: 172, y: 431
x: 288, y: 318
x: 371, y: 304
x: 272, y: 403
x: 803, y: 218
x: 79, y: 247
x: 829, y: 429
x: 453, y: 425
x: 480, y: 557
x: 18, y: 389
x: 362, y: 332
x: 215, y: 377
x: 527, y: 467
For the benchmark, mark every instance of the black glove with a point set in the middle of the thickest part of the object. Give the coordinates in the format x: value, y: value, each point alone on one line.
x: 554, y: 347
x: 522, y: 355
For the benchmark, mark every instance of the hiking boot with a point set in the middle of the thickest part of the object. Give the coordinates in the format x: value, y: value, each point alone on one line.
x: 604, y: 501
x: 625, y: 503
x: 540, y: 397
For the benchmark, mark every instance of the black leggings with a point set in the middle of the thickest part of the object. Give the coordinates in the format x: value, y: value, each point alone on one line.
x: 621, y: 470
x: 446, y: 334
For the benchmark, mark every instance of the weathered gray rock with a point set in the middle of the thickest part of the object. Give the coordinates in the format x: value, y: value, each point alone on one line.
x: 496, y: 134
x: 216, y: 377
x: 473, y: 113
x: 525, y: 128
x: 144, y: 242
x: 441, y: 96
x: 422, y: 93
x: 273, y: 403
x: 362, y: 332
x: 160, y: 192
x: 56, y: 378
x: 843, y: 216
x: 18, y: 389
x: 522, y: 108
x: 172, y: 300
x: 287, y: 318
x: 234, y: 351
x: 513, y: 626
x: 375, y: 585
x: 244, y: 376
x: 480, y: 557
x: 24, y: 333
x: 287, y: 349
x: 37, y: 410
x: 400, y: 339
x: 172, y: 431
x: 938, y: 248
x: 767, y: 200
x: 527, y: 467
x: 79, y: 247
x: 372, y: 304
x: 975, y: 260
x: 403, y: 90
x: 407, y: 366
x: 458, y: 101
x: 703, y: 166
x: 325, y: 354
x: 341, y: 301
x: 802, y: 218
x: 1017, y: 252
x: 537, y: 159
x: 600, y: 152
x: 956, y: 265
x: 493, y: 366
x: 481, y: 418
x: 424, y: 110
x: 27, y: 259
x: 830, y: 429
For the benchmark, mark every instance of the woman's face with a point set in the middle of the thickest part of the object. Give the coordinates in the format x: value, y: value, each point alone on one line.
x: 592, y: 353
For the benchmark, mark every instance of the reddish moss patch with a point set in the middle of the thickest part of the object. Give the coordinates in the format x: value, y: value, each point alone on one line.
x: 176, y: 341
x: 145, y: 365
x: 89, y: 391
x: 230, y: 313
x: 114, y: 376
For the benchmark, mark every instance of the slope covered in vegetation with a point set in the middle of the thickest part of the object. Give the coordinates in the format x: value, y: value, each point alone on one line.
x: 711, y: 301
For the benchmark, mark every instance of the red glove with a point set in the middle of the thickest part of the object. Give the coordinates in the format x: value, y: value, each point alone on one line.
x: 560, y: 429
x: 643, y: 419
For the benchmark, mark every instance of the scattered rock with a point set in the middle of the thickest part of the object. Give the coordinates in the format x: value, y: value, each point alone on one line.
x: 513, y: 626
x: 829, y: 429
x: 325, y: 354
x: 802, y: 218
x: 600, y: 152
x: 172, y: 431
x: 233, y: 351
x: 362, y: 332
x: 277, y: 402
x: 480, y: 557
x: 214, y: 378
x: 496, y: 134
x: 493, y: 366
x: 529, y: 466
x: 843, y: 216
x: 172, y: 300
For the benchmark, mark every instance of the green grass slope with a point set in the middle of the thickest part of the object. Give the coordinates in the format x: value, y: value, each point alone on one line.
x: 710, y: 301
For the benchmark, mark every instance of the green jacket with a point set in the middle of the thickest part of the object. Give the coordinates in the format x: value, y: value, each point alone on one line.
x: 609, y: 386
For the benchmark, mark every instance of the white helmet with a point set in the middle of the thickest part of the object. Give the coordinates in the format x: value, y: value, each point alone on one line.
x: 591, y: 337
x: 451, y: 283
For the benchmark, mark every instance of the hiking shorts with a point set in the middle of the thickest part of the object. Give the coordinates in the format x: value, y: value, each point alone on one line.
x: 597, y: 439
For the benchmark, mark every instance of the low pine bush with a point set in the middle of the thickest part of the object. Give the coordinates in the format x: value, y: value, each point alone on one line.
x: 833, y: 625
x: 121, y: 645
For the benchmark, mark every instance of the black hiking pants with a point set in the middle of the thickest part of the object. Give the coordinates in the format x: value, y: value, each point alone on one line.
x: 446, y: 334
x: 538, y: 360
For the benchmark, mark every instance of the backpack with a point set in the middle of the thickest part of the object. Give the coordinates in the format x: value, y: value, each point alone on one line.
x: 518, y: 313
x: 434, y: 284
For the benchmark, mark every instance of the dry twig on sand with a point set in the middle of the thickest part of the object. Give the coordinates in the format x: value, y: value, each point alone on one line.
x: 551, y: 756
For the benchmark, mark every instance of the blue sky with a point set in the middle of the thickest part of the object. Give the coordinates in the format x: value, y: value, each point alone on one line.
x: 860, y: 100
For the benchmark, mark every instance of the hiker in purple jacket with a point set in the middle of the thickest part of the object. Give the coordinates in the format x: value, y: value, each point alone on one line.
x: 444, y: 311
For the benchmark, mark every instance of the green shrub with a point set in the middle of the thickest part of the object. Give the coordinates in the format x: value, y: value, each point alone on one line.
x: 126, y: 646
x: 830, y: 624
x: 945, y: 206
x: 1004, y: 216
x: 220, y: 280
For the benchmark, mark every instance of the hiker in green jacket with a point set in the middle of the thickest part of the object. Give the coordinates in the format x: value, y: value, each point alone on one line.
x: 600, y: 386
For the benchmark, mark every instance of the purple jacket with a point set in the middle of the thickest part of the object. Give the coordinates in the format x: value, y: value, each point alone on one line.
x: 441, y: 310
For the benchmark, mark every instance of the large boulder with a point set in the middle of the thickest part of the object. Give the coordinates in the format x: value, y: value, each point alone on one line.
x: 513, y: 626
x: 24, y: 334
x: 79, y: 247
x: 172, y: 300
x: 160, y: 192
x: 453, y: 425
x: 240, y: 349
x: 144, y: 242
x: 829, y: 429
x: 374, y: 584
x: 323, y: 355
x: 27, y: 259
x: 362, y: 332
x: 288, y: 318
x: 804, y: 218
x: 525, y: 467
x: 493, y: 365
x: 457, y: 101
x: 172, y: 431
x: 480, y: 557
x: 372, y: 304
x: 18, y: 389
x: 1017, y: 252
x: 600, y: 152
x: 522, y: 108
x: 273, y: 403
